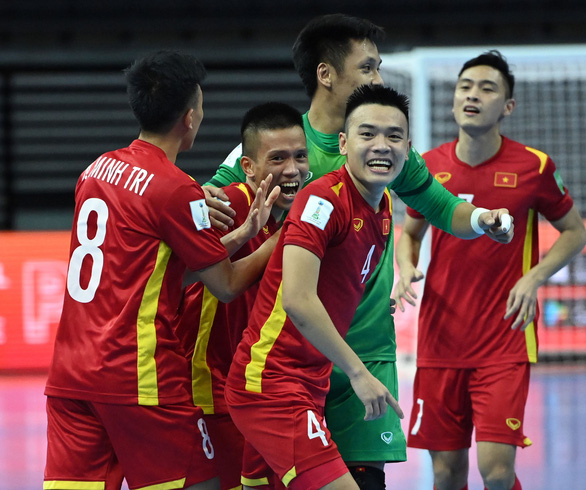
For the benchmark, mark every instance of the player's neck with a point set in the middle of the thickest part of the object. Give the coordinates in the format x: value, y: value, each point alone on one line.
x: 325, y: 116
x: 373, y: 195
x: 475, y: 149
x: 171, y: 148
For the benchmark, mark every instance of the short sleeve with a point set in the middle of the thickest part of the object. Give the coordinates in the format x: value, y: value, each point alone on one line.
x: 186, y: 228
x: 314, y: 222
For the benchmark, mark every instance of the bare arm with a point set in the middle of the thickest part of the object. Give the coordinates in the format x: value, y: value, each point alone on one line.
x: 226, y: 280
x: 407, y: 256
x: 523, y: 297
x: 303, y: 306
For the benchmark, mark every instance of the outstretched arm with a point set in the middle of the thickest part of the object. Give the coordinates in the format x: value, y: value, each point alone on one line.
x: 523, y: 297
x: 302, y: 304
x: 226, y: 280
x: 407, y: 256
x: 469, y: 221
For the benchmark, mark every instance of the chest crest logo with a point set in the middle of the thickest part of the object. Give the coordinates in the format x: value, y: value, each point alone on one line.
x: 443, y: 177
x: 358, y: 224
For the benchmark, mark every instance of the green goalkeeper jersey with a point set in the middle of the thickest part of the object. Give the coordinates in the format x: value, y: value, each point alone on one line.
x: 372, y: 332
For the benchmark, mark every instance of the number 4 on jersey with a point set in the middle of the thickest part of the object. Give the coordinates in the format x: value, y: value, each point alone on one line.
x: 366, y: 267
x: 314, y: 429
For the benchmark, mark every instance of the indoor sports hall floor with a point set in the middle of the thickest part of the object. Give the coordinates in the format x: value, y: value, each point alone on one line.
x: 555, y: 421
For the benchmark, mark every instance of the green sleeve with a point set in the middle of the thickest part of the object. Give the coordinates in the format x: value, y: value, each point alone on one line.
x: 420, y: 191
x: 229, y: 170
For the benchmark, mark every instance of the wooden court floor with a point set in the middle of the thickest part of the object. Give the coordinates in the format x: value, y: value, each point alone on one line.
x: 555, y: 422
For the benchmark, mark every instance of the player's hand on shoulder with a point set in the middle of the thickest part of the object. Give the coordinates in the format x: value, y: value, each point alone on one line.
x: 497, y: 224
x: 221, y: 214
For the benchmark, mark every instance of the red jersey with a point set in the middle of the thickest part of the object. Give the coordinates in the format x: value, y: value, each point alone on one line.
x: 468, y: 281
x: 209, y: 329
x: 331, y: 219
x: 139, y: 221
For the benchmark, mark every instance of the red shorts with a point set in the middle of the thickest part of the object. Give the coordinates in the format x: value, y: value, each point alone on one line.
x: 96, y: 442
x: 449, y: 403
x: 290, y: 435
x: 228, y: 449
x: 256, y: 473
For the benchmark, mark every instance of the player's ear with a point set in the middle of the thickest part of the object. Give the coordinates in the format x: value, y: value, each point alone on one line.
x: 343, y: 143
x: 188, y: 119
x: 247, y: 165
x: 509, y: 107
x: 408, y: 150
x: 324, y: 74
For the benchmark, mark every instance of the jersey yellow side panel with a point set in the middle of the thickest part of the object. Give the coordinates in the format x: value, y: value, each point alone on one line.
x: 530, y: 338
x: 201, y: 376
x: 259, y: 351
x: 146, y: 333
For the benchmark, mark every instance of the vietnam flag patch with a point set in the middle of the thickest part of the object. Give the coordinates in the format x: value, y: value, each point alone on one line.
x: 505, y: 179
x: 386, y: 226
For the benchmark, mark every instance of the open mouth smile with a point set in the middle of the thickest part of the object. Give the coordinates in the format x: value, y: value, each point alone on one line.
x: 289, y: 188
x: 380, y: 164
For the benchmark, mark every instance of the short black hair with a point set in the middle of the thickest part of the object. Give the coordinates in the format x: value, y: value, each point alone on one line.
x: 327, y: 39
x: 377, y: 94
x: 264, y: 117
x: 161, y: 87
x: 495, y: 59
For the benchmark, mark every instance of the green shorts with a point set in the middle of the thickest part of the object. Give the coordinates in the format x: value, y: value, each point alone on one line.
x: 376, y: 440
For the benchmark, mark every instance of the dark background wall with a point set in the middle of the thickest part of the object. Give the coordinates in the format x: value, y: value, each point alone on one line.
x: 62, y: 93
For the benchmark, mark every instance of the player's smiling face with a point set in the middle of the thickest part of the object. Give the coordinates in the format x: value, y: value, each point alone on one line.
x: 376, y: 145
x: 481, y: 99
x: 282, y: 153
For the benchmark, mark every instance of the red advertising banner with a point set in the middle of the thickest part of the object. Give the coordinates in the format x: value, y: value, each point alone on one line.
x: 33, y: 272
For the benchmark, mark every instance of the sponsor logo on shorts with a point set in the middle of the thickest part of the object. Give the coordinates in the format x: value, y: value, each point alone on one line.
x: 514, y: 423
x: 387, y: 437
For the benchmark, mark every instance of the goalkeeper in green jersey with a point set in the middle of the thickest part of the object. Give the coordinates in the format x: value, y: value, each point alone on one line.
x: 334, y: 54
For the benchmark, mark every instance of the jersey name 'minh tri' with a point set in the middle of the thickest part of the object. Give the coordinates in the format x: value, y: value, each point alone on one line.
x: 331, y: 219
x: 209, y: 329
x: 461, y: 317
x: 137, y: 228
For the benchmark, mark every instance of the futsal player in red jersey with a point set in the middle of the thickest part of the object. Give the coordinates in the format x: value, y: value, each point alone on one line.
x: 331, y: 242
x: 477, y: 324
x: 273, y: 144
x: 118, y: 397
